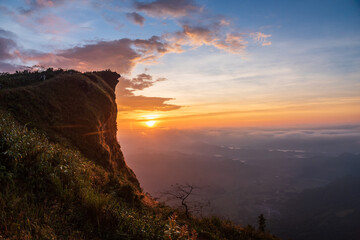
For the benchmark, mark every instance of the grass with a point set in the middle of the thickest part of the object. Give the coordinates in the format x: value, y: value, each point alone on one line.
x: 38, y: 177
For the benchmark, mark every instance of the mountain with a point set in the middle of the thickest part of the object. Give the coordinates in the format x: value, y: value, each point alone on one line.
x: 63, y: 174
x: 72, y: 106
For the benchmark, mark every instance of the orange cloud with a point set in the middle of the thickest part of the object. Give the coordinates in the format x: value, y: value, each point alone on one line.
x: 262, y: 38
x: 132, y: 103
x: 233, y: 43
x: 127, y: 101
x: 199, y: 35
x: 266, y: 44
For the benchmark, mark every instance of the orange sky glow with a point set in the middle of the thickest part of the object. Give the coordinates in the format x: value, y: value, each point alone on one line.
x: 324, y: 113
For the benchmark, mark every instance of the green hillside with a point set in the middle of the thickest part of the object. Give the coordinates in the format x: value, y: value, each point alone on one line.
x: 63, y: 175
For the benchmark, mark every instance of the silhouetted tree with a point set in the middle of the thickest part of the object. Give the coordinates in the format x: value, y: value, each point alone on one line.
x: 262, y: 222
x: 182, y: 193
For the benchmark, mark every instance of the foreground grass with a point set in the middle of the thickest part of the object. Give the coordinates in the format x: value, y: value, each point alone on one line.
x: 48, y: 190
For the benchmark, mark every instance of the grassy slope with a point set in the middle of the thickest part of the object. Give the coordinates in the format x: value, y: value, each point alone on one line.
x: 55, y: 186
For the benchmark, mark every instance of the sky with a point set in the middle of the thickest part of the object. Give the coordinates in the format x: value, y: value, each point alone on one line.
x: 190, y: 64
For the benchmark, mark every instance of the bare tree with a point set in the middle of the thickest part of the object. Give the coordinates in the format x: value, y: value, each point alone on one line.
x: 180, y: 192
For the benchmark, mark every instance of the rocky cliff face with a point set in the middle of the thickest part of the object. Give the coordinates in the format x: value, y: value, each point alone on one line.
x: 76, y: 109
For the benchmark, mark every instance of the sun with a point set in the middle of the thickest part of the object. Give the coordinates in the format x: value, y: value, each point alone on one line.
x: 150, y: 123
x: 150, y: 120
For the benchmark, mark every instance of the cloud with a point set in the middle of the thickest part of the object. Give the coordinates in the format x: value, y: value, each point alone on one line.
x: 7, y: 34
x: 116, y: 54
x: 120, y: 55
x: 41, y: 22
x: 124, y: 54
x: 200, y: 28
x: 53, y: 24
x: 8, y: 49
x: 141, y: 82
x: 168, y: 8
x: 233, y: 43
x: 199, y: 35
x: 131, y: 103
x: 210, y: 36
x: 153, y: 44
x: 45, y: 3
x: 127, y: 101
x: 136, y: 18
x: 7, y: 67
x: 34, y: 5
x: 262, y: 38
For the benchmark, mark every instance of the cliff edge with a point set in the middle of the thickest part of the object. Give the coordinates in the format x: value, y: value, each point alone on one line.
x: 73, y: 108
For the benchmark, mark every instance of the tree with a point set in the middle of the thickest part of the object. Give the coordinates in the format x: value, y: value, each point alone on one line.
x: 262, y: 222
x: 181, y: 192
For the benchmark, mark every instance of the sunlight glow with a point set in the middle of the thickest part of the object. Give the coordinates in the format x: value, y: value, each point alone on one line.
x: 151, y: 117
x: 150, y: 123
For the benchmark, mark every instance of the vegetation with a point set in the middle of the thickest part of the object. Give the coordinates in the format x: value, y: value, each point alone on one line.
x: 50, y: 189
x: 180, y: 192
x: 262, y: 222
x: 26, y: 77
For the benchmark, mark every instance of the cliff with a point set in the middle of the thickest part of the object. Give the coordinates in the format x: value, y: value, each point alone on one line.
x: 73, y: 108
